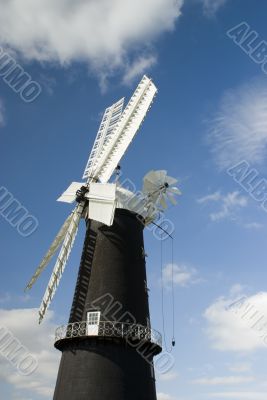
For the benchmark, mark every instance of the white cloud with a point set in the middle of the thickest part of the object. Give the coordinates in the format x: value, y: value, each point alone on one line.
x: 139, y: 67
x: 17, y: 396
x: 240, y: 367
x: 210, y: 7
x: 99, y: 32
x: 182, y: 275
x: 164, y: 396
x: 236, y: 328
x: 228, y: 203
x: 239, y: 130
x: 239, y: 395
x: 48, y: 83
x: 169, y: 376
x: 39, y: 340
x: 5, y: 298
x: 253, y: 225
x: 237, y: 289
x: 8, y: 297
x: 2, y: 113
x: 224, y: 380
x: 210, y: 197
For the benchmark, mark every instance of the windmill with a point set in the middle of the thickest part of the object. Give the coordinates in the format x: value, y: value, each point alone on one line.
x: 110, y: 212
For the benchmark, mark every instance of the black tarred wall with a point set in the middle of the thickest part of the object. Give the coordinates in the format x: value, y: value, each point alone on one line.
x: 112, y: 267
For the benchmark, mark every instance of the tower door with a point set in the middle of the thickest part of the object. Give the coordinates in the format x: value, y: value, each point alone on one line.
x: 93, y: 319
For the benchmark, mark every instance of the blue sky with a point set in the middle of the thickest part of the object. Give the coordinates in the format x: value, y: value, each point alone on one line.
x: 210, y: 114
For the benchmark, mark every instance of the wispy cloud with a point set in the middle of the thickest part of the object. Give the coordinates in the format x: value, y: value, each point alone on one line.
x: 253, y: 225
x: 100, y: 33
x: 5, y: 297
x: 182, y: 275
x: 238, y: 131
x: 239, y: 395
x: 164, y: 396
x: 170, y: 376
x: 237, y: 289
x: 48, y: 83
x: 141, y: 65
x: 240, y: 367
x: 224, y: 380
x: 2, y: 113
x: 228, y: 204
x: 210, y: 197
x: 211, y: 7
x: 8, y: 298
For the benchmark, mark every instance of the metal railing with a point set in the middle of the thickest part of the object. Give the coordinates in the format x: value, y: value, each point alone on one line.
x: 109, y: 329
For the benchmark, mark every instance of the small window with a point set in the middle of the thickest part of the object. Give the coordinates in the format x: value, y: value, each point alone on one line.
x: 93, y: 321
x: 93, y: 317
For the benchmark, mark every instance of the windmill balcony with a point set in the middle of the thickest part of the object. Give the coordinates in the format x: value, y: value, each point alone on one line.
x: 131, y: 333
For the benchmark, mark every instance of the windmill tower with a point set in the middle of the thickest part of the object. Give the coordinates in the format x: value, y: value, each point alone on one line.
x: 108, y: 345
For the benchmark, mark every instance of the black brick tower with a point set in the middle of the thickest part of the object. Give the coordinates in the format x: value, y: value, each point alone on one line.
x: 114, y: 361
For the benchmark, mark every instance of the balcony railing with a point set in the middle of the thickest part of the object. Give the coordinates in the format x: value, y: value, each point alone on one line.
x: 109, y: 329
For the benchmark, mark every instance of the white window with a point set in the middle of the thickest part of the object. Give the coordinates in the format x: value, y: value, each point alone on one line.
x: 93, y: 319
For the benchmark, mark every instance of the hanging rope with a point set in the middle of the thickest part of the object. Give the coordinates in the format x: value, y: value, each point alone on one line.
x: 169, y: 349
x: 173, y: 295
